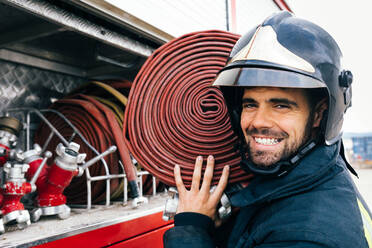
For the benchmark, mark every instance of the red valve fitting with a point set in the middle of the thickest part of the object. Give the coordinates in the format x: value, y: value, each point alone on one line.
x: 13, y: 189
x: 4, y: 154
x: 33, y: 159
x: 9, y: 130
x: 50, y: 199
x: 58, y: 180
x: 13, y: 192
x: 15, y: 186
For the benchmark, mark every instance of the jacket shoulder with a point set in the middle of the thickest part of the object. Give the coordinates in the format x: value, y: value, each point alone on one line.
x: 328, y: 214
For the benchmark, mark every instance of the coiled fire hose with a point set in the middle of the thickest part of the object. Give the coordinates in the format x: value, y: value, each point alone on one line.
x: 100, y: 126
x: 175, y: 114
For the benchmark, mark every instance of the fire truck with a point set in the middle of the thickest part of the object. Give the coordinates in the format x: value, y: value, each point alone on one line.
x: 50, y: 49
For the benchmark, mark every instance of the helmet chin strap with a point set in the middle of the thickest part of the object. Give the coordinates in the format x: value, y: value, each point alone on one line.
x: 282, y: 167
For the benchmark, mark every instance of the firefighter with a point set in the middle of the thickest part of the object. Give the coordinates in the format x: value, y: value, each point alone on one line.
x: 286, y: 94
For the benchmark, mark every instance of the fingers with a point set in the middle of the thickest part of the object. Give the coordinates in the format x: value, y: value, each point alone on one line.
x: 177, y: 177
x: 207, y: 179
x: 208, y: 174
x: 217, y: 193
x: 195, y: 184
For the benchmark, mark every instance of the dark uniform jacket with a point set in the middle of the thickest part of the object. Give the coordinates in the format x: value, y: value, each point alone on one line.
x: 315, y: 205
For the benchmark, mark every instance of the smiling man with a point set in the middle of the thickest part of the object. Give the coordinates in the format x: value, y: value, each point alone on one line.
x: 286, y: 94
x: 277, y: 121
x: 274, y: 122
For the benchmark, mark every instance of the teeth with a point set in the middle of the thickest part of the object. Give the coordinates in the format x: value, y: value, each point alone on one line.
x: 266, y: 141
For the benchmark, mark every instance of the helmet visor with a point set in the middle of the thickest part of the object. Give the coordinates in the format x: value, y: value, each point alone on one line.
x: 250, y: 76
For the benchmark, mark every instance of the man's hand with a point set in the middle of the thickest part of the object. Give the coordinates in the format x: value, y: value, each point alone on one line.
x: 200, y: 200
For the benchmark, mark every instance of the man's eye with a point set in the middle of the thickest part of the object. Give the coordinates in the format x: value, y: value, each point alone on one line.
x: 282, y: 106
x: 248, y: 105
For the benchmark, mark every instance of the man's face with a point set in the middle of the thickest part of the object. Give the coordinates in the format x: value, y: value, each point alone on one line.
x: 275, y: 123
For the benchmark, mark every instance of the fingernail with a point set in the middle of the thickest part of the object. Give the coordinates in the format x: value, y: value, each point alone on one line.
x: 210, y: 157
x: 176, y: 166
x: 227, y: 167
x: 200, y: 158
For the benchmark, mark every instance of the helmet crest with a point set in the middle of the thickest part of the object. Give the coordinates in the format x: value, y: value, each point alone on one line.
x: 286, y: 51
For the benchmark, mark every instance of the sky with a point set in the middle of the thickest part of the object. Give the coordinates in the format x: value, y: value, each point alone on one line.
x: 350, y: 24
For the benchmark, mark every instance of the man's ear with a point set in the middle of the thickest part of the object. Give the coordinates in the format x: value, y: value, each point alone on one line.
x: 319, y: 112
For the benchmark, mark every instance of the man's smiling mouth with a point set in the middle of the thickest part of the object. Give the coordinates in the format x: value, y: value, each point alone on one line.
x: 266, y: 141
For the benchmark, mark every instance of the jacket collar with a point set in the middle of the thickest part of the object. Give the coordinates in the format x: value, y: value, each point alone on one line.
x: 314, y: 169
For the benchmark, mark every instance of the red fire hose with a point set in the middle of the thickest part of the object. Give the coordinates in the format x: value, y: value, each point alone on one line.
x: 99, y: 125
x: 174, y: 114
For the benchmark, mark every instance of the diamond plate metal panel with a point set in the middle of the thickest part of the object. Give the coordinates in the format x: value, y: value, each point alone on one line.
x: 23, y: 86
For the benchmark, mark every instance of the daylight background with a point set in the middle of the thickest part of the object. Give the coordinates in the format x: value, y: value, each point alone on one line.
x: 349, y: 22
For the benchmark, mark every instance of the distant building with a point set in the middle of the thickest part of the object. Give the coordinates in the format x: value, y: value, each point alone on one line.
x: 361, y: 146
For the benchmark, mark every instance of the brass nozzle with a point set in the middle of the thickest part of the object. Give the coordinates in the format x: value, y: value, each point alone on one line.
x: 10, y: 124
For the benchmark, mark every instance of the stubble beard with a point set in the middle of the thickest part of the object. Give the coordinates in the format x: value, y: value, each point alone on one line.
x: 268, y: 159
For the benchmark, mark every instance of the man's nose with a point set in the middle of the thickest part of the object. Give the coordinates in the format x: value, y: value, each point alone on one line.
x: 262, y: 119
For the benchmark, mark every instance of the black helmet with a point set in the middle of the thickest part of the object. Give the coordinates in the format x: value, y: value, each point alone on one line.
x: 286, y: 51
